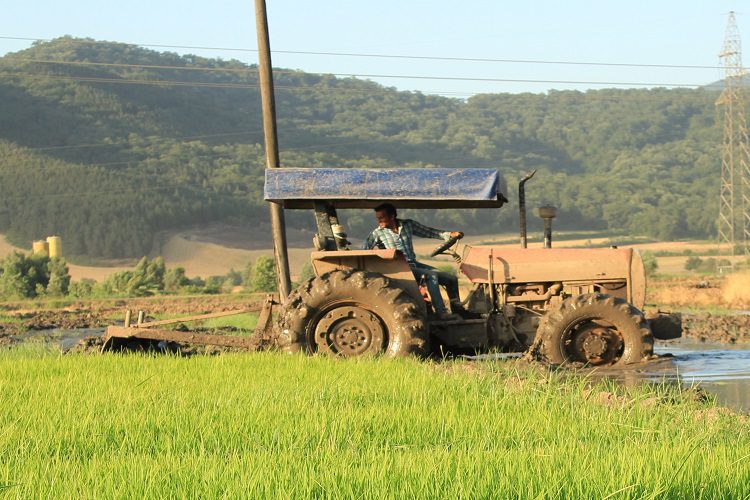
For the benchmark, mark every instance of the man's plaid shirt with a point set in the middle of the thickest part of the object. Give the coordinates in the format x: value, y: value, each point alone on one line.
x: 402, y: 240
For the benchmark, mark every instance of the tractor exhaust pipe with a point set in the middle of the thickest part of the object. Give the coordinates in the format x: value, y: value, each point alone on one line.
x: 547, y: 212
x: 522, y: 206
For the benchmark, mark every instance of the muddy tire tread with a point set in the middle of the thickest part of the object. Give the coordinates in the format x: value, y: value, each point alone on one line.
x: 637, y: 336
x: 408, y: 333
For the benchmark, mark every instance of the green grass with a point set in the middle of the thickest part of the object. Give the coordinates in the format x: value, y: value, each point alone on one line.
x: 245, y: 321
x: 240, y: 321
x: 271, y: 425
x: 10, y: 319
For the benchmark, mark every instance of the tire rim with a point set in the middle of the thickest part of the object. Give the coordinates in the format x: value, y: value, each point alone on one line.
x: 349, y: 331
x: 594, y: 343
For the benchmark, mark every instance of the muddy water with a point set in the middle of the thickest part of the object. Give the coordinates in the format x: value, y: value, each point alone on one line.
x: 721, y: 369
x: 63, y: 338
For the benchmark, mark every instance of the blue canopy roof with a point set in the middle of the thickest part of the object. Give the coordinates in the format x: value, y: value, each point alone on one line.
x: 366, y: 188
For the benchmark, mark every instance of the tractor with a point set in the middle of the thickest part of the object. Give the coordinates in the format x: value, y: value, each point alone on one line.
x: 564, y: 305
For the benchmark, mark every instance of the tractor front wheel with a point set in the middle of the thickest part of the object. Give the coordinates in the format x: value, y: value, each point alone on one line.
x: 597, y: 330
x: 352, y: 313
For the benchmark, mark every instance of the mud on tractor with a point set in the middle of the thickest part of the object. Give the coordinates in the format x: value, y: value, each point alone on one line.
x: 560, y: 304
x: 564, y: 304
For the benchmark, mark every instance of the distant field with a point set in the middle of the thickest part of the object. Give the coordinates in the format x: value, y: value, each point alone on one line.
x: 217, y: 249
x: 673, y: 265
x: 199, y: 258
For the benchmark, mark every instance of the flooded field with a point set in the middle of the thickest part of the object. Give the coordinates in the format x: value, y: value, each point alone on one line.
x: 722, y: 369
x: 64, y: 339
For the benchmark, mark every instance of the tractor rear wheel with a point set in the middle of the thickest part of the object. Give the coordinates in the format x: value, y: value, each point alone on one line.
x: 597, y: 330
x: 352, y: 313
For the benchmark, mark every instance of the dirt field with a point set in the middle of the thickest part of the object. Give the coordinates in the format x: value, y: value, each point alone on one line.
x: 724, y: 329
x: 18, y: 317
x: 189, y: 250
x: 733, y: 329
x: 217, y: 248
x: 200, y: 258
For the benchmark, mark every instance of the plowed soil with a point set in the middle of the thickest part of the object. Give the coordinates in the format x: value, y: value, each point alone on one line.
x: 724, y: 329
x: 15, y: 319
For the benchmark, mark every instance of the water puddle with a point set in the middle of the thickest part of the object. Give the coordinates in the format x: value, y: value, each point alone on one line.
x: 64, y: 339
x: 721, y: 369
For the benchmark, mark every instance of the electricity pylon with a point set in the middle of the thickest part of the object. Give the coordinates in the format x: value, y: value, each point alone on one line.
x: 734, y: 198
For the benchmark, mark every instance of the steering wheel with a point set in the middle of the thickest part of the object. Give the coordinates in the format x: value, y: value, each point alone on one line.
x: 445, y: 246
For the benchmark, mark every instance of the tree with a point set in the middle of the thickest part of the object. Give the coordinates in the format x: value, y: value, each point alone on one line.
x: 82, y: 289
x: 214, y: 284
x: 59, y: 278
x: 247, y: 275
x: 174, y: 279
x: 23, y: 276
x: 146, y: 279
x: 14, y: 279
x: 233, y: 278
x: 264, y: 275
x: 632, y: 160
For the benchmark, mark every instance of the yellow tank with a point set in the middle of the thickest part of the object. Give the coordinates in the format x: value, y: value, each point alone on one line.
x: 40, y: 247
x: 55, y: 246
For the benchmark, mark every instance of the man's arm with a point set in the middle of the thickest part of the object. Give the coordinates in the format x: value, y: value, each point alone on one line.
x: 429, y: 232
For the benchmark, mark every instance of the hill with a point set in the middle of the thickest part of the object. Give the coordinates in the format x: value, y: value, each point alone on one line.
x: 108, y: 144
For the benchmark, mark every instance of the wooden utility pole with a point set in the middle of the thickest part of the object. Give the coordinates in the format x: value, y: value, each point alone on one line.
x: 265, y: 78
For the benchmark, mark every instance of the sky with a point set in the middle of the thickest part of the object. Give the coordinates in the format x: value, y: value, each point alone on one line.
x: 541, y: 33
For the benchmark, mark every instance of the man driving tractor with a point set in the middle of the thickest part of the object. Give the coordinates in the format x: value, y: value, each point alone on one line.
x: 395, y: 233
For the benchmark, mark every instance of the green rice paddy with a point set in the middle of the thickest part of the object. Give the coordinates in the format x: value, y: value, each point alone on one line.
x: 271, y: 425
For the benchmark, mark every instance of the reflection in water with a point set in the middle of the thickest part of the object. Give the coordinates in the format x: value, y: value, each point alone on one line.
x: 723, y: 370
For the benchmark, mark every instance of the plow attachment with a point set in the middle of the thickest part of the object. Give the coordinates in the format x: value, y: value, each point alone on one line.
x: 142, y: 332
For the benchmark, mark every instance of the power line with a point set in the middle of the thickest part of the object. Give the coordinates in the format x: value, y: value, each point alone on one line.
x: 586, y: 100
x: 395, y: 56
x: 167, y: 83
x: 309, y: 87
x: 142, y: 66
x: 131, y: 81
x: 247, y: 70
x: 341, y: 75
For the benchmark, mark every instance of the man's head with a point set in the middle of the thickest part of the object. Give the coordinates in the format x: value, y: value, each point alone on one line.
x: 385, y: 213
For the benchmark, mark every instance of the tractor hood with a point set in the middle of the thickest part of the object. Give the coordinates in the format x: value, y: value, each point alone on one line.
x: 367, y: 188
x: 544, y: 265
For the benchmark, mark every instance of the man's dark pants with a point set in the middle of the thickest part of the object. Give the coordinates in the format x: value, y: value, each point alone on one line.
x: 432, y: 278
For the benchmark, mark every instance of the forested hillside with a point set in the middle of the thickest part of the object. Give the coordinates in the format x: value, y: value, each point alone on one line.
x: 106, y: 155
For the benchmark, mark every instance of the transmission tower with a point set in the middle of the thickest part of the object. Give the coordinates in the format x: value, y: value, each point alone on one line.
x: 734, y: 199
